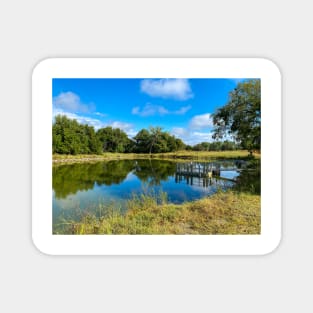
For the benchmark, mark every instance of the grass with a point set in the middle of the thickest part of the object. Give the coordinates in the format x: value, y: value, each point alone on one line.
x: 223, y: 213
x: 208, y: 154
x: 179, y: 155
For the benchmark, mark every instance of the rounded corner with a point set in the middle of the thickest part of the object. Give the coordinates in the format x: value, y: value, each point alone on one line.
x: 273, y: 65
x: 274, y: 246
x: 40, y: 65
x: 38, y: 247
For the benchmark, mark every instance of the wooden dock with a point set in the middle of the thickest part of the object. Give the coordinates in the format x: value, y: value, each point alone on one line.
x: 201, y: 174
x: 194, y: 169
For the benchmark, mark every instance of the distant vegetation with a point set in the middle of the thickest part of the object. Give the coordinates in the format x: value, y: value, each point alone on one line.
x: 70, y: 137
x: 178, y: 156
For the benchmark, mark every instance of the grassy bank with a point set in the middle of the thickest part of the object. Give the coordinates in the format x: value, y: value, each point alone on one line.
x: 223, y: 213
x: 201, y: 155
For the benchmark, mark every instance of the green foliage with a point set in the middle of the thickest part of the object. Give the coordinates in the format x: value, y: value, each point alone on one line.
x: 70, y: 137
x: 113, y: 140
x: 249, y: 180
x: 189, y: 148
x: 142, y: 140
x: 83, y: 176
x: 154, y: 140
x: 216, y: 146
x: 241, y: 116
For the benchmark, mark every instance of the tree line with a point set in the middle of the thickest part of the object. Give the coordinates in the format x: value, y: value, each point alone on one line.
x: 239, y: 118
x: 226, y: 145
x: 71, y: 137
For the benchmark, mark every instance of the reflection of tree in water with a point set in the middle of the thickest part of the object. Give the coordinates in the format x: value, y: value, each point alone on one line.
x: 249, y: 179
x: 154, y: 171
x: 68, y: 179
x: 114, y: 172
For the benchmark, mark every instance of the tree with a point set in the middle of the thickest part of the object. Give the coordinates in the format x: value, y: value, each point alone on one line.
x: 70, y: 137
x: 155, y: 140
x: 92, y: 141
x: 113, y: 139
x: 228, y: 145
x: 142, y: 140
x: 241, y: 116
x: 189, y: 148
x: 155, y: 134
x: 179, y: 144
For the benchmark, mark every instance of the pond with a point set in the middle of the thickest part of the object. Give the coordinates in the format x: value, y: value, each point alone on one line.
x: 80, y: 188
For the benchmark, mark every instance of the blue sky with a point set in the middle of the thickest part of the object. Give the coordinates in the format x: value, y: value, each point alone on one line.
x: 183, y: 107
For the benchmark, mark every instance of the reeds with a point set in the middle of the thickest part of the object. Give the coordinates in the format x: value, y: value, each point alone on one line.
x: 223, y: 213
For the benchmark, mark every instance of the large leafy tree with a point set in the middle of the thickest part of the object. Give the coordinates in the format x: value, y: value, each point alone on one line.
x: 142, y: 141
x: 154, y: 140
x: 113, y: 139
x: 70, y: 137
x: 155, y: 136
x: 240, y: 118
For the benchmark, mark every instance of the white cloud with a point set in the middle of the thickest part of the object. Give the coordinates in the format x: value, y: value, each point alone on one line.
x: 100, y: 114
x: 191, y: 137
x: 182, y: 110
x: 178, y: 89
x: 121, y: 125
x: 126, y: 127
x: 150, y: 110
x: 79, y: 118
x: 180, y: 132
x: 202, y: 136
x: 201, y: 121
x: 154, y: 109
x: 199, y: 129
x: 136, y: 110
x: 70, y: 102
x: 131, y: 133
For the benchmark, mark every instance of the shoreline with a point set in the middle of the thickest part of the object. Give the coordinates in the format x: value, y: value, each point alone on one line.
x: 178, y: 156
x: 223, y: 213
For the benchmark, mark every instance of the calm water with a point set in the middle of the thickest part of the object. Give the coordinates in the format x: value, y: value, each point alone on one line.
x: 80, y: 188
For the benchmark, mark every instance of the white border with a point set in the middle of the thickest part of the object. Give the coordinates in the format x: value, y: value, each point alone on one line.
x: 264, y: 243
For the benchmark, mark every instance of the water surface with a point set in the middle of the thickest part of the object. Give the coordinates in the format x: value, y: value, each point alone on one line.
x: 80, y: 188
